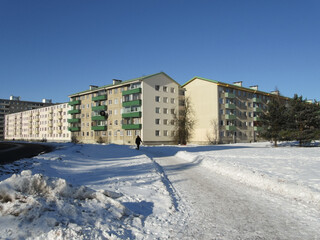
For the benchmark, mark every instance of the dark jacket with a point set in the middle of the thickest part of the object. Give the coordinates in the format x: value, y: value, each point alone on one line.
x: 138, y: 140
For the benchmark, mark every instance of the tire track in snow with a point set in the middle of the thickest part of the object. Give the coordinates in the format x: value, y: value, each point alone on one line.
x: 175, y: 199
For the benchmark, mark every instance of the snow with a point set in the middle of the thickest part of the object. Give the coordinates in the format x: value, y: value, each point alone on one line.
x: 89, y: 191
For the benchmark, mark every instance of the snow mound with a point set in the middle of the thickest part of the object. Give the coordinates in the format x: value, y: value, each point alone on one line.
x: 256, y: 178
x: 39, y: 207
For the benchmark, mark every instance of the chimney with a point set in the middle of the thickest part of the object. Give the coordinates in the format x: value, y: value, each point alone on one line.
x: 116, y: 81
x: 238, y: 83
x: 255, y: 87
x: 93, y: 87
x: 14, y: 98
x: 46, y: 100
x: 276, y: 92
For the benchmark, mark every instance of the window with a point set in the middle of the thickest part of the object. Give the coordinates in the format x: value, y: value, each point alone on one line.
x: 173, y: 101
x: 165, y: 122
x: 116, y: 101
x: 173, y: 111
x: 129, y: 133
x: 173, y: 90
x: 157, y: 87
x: 165, y: 100
x: 165, y: 89
x: 157, y: 121
x: 115, y: 90
x: 165, y: 110
x: 110, y: 102
x: 157, y: 98
x: 157, y: 110
x: 165, y: 133
x: 157, y: 133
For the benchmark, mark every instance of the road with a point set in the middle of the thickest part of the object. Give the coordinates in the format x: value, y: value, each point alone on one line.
x: 12, y: 151
x: 220, y: 208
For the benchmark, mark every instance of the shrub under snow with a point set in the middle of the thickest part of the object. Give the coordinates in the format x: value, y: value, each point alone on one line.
x: 39, y: 207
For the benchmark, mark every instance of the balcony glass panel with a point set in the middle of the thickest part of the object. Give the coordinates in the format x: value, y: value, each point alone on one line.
x: 131, y: 126
x: 99, y: 108
x: 131, y: 91
x: 132, y: 103
x: 99, y: 128
x: 75, y: 102
x: 100, y: 98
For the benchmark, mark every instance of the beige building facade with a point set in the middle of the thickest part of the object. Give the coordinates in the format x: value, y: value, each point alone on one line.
x: 15, y: 104
x: 41, y: 124
x: 225, y: 113
x: 117, y: 113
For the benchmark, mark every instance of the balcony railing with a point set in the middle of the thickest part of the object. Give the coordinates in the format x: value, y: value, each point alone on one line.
x: 131, y: 126
x: 132, y: 103
x: 131, y: 115
x: 75, y: 102
x: 98, y: 118
x: 74, y: 120
x: 231, y: 128
x: 257, y: 109
x: 229, y: 95
x: 131, y: 91
x: 100, y: 98
x: 230, y: 106
x: 256, y: 100
x: 230, y: 117
x: 257, y: 119
x: 74, y: 129
x: 74, y: 111
x: 99, y: 128
x: 258, y: 129
x: 99, y: 108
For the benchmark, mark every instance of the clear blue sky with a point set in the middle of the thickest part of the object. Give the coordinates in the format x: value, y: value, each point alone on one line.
x: 50, y: 49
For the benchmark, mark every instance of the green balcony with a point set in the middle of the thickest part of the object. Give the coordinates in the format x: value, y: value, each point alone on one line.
x: 131, y: 126
x: 131, y: 91
x: 257, y: 109
x: 258, y: 129
x: 75, y: 102
x: 231, y: 128
x: 229, y: 95
x: 257, y: 119
x: 99, y: 108
x: 132, y: 103
x: 74, y: 111
x: 230, y: 117
x: 100, y: 98
x: 74, y: 129
x: 98, y: 118
x: 132, y: 115
x: 256, y: 100
x: 230, y: 106
x: 99, y: 128
x: 74, y: 120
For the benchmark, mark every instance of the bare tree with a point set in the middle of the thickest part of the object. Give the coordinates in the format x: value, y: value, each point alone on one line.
x: 184, y: 122
x: 213, y: 133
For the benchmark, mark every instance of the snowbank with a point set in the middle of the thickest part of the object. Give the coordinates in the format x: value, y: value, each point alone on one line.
x: 258, y: 173
x: 39, y: 207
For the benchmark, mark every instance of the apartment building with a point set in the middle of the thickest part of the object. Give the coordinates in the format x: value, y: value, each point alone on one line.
x: 226, y: 113
x: 117, y: 113
x: 41, y: 124
x: 14, y: 104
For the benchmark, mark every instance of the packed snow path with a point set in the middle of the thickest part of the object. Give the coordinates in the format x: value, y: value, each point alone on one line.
x: 223, y: 192
x: 221, y: 208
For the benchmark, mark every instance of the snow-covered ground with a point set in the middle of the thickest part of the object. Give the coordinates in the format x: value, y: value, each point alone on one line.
x: 116, y: 192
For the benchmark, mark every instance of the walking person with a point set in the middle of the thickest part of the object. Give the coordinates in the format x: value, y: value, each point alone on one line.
x: 138, y: 142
